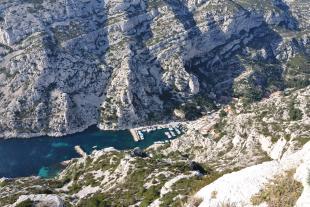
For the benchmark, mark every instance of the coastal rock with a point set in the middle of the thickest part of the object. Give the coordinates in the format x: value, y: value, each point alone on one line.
x: 303, y: 175
x: 137, y: 152
x: 42, y: 200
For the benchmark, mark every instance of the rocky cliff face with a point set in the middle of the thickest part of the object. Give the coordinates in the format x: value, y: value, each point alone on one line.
x: 234, y: 153
x: 66, y: 65
x: 238, y: 70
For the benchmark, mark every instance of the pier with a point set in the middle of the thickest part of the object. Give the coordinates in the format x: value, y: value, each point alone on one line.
x: 173, y: 129
x: 80, y: 151
x: 135, y: 135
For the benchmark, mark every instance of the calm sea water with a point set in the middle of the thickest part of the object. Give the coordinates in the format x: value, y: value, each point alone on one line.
x: 42, y: 155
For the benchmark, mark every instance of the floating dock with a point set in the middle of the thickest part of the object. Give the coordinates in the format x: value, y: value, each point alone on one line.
x: 173, y: 129
x: 135, y: 135
x: 80, y: 151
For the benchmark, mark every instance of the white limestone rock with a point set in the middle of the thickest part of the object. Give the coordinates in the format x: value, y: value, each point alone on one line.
x: 238, y: 187
x: 42, y: 200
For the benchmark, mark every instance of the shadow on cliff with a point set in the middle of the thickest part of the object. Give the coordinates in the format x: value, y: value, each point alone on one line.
x: 217, y: 67
x: 215, y: 76
x: 73, y: 55
x: 145, y: 70
x: 185, y: 16
x: 290, y: 22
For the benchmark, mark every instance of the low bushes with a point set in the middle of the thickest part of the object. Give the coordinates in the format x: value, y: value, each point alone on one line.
x: 282, y: 191
x: 25, y: 203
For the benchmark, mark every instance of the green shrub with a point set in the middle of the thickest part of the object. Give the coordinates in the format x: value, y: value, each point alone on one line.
x: 274, y: 139
x: 3, y: 183
x: 98, y: 200
x: 150, y: 195
x: 168, y: 199
x: 194, y: 201
x: 302, y: 140
x: 25, y: 203
x: 223, y: 113
x: 298, y: 73
x: 294, y: 113
x: 282, y: 191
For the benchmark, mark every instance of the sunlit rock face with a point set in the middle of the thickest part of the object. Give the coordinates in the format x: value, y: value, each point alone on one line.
x: 250, y: 145
x: 66, y: 65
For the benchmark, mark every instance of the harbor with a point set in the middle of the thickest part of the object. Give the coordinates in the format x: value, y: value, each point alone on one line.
x: 171, y: 130
x: 136, y: 135
x: 39, y: 156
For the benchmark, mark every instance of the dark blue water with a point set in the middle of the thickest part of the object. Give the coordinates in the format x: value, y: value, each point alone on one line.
x: 42, y: 155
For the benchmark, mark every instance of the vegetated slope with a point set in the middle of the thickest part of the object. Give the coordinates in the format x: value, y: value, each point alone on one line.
x: 239, y: 137
x: 66, y: 65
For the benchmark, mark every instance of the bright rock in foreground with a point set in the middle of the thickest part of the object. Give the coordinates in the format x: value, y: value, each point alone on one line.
x: 238, y: 187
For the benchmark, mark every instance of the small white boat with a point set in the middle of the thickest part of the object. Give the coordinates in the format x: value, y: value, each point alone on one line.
x: 141, y: 136
x: 177, y: 130
x: 168, y: 135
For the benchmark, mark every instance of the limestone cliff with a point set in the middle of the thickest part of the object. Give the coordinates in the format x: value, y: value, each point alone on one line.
x: 66, y: 65
x: 226, y: 157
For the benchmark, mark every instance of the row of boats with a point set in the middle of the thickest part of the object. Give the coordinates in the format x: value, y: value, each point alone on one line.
x: 173, y: 131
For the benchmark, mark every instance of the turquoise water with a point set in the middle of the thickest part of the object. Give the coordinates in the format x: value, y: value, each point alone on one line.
x: 42, y: 155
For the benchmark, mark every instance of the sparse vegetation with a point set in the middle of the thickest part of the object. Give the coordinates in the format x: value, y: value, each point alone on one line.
x: 295, y: 114
x: 25, y: 203
x: 213, y: 194
x: 194, y: 201
x: 223, y: 113
x: 188, y: 187
x: 219, y: 128
x: 3, y: 183
x: 282, y: 191
x: 196, y: 106
x: 150, y: 195
x: 97, y: 200
x: 227, y: 204
x: 297, y: 74
x: 302, y: 140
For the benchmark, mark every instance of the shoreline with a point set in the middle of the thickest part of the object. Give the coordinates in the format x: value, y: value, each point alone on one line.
x: 52, y: 135
x: 41, y: 134
x: 83, y: 153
